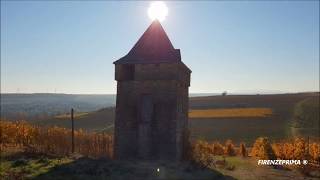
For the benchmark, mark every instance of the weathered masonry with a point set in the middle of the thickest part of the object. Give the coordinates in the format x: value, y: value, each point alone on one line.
x: 152, y: 99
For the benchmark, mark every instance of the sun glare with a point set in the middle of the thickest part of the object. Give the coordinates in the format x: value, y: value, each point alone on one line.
x: 158, y: 10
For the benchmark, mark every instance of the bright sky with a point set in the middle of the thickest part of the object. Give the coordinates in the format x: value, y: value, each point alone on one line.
x: 69, y: 47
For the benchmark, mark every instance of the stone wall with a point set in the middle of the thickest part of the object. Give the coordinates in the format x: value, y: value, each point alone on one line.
x: 152, y: 111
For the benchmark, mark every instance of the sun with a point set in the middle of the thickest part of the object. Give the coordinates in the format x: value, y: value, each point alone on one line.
x: 158, y: 10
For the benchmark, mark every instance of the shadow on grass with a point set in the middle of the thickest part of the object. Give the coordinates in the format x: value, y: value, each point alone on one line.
x: 27, y: 155
x: 87, y: 168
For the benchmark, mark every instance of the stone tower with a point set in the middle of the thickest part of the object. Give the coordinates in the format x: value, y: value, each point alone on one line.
x: 152, y: 99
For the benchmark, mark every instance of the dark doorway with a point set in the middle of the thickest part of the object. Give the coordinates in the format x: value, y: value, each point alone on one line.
x: 144, y: 131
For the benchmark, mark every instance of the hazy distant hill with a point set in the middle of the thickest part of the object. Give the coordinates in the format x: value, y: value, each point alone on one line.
x: 40, y: 106
x: 44, y: 105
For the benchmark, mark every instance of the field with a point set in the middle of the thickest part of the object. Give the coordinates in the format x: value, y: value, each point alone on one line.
x: 76, y: 115
x: 237, y: 117
x: 230, y: 113
x: 277, y: 125
x: 100, y: 120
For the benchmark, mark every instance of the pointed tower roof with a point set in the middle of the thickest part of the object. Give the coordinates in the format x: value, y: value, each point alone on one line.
x: 153, y: 46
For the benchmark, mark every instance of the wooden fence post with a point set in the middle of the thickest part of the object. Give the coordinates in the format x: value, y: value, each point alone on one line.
x: 72, y: 131
x: 308, y: 152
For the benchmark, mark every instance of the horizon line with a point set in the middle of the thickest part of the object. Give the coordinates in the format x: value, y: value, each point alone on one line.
x: 230, y: 93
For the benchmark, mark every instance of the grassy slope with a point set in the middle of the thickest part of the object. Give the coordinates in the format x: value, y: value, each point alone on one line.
x: 247, y: 169
x: 20, y: 166
x: 306, y: 118
x: 246, y: 129
x: 102, y: 119
x: 17, y: 165
x: 239, y: 129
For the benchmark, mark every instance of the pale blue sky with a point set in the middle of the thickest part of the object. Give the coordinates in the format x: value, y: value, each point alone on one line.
x: 234, y: 46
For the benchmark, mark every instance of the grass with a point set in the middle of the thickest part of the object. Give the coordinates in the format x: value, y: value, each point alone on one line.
x: 306, y: 117
x: 99, y: 120
x: 230, y: 113
x: 237, y: 161
x: 52, y: 168
x: 30, y: 168
x: 22, y: 166
x: 248, y: 169
x: 19, y: 165
x: 245, y: 129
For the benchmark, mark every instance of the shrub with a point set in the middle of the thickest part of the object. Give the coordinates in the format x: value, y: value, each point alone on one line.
x: 229, y: 149
x: 278, y: 149
x: 262, y: 149
x: 218, y: 149
x: 299, y: 146
x: 243, y: 150
x: 314, y: 151
x: 202, y: 154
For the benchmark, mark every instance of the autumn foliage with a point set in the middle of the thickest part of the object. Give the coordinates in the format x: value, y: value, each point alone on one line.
x: 262, y: 149
x: 204, y: 153
x: 54, y: 140
x: 297, y: 148
x: 57, y: 140
x: 218, y: 148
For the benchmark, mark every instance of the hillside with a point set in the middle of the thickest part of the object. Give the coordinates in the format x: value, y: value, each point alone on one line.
x: 275, y: 124
x: 99, y: 120
x: 43, y: 105
x: 306, y: 117
x: 37, y: 106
